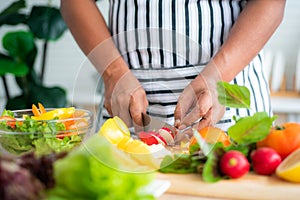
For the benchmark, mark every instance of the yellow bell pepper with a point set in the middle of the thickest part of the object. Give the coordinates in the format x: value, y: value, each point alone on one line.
x: 115, y: 130
x: 60, y: 113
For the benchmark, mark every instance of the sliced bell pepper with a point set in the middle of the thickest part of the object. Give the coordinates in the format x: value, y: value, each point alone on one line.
x: 38, y: 111
x: 60, y: 113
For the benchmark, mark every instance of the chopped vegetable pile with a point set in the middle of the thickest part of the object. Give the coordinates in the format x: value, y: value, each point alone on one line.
x: 45, y: 131
x: 225, y: 161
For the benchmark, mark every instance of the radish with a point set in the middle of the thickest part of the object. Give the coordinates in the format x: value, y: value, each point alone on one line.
x: 265, y: 160
x: 167, y: 134
x: 151, y: 138
x: 234, y: 164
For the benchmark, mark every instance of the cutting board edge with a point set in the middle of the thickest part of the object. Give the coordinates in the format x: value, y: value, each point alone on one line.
x: 249, y: 187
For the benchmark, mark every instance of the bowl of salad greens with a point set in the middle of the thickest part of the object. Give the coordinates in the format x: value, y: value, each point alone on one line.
x: 44, y: 131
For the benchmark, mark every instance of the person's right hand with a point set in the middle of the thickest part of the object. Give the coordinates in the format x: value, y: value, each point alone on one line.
x: 125, y: 97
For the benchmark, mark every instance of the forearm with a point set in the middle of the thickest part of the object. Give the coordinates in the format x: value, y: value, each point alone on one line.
x: 90, y: 31
x: 255, y: 25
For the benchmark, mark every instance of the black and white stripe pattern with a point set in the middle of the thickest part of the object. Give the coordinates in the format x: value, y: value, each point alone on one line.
x: 166, y: 43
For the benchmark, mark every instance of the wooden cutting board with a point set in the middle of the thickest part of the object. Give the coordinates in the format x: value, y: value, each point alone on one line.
x: 251, y: 186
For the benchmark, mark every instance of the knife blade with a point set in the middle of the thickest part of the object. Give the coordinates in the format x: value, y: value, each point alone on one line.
x: 154, y: 124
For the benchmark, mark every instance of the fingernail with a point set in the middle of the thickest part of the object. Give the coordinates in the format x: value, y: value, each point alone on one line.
x: 177, y: 122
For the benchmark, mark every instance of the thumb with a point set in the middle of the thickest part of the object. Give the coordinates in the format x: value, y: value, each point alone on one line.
x: 177, y: 115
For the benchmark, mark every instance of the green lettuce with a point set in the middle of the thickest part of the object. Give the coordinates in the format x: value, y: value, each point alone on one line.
x: 95, y: 171
x: 45, y: 145
x: 41, y: 145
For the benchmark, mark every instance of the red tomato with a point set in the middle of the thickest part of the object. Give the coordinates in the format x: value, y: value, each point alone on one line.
x: 62, y: 135
x: 234, y: 164
x: 10, y: 121
x: 265, y: 160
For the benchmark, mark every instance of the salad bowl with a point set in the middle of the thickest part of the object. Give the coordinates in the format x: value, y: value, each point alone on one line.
x: 43, y: 130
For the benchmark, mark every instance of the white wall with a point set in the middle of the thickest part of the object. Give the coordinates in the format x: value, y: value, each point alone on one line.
x: 66, y: 61
x: 286, y: 39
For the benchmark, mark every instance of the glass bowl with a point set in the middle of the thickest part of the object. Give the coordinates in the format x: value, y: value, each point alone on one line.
x: 23, y: 133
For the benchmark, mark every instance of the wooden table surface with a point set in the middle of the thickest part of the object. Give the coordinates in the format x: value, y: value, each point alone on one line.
x: 251, y: 186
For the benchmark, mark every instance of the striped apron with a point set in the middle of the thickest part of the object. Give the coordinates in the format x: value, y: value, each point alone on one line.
x: 166, y: 44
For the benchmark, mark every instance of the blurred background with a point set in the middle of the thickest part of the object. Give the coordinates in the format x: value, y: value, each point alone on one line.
x: 67, y: 67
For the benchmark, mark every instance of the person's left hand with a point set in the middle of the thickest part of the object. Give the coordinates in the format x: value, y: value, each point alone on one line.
x: 199, y: 100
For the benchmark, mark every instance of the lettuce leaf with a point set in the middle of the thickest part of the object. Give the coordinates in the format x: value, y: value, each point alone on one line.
x: 16, y: 144
x: 46, y: 145
x: 94, y: 171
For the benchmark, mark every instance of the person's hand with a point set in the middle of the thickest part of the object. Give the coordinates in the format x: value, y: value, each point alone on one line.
x: 199, y: 100
x: 125, y: 97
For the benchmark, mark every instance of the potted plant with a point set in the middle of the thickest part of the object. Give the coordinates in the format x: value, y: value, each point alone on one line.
x: 42, y: 23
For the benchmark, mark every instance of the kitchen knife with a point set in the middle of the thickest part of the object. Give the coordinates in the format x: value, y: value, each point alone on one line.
x: 154, y: 124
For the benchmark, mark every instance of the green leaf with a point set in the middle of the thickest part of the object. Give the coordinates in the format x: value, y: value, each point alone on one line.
x: 18, y: 44
x: 10, y: 15
x: 50, y: 97
x: 14, y: 7
x: 178, y: 163
x: 46, y: 145
x: 194, y: 148
x: 244, y: 149
x: 16, y: 144
x: 232, y: 95
x: 46, y: 22
x: 211, y: 171
x: 16, y: 103
x: 251, y: 129
x: 13, y: 19
x: 92, y: 172
x: 12, y: 67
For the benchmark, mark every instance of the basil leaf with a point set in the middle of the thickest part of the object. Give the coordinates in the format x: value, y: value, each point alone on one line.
x: 232, y: 95
x: 251, y: 129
